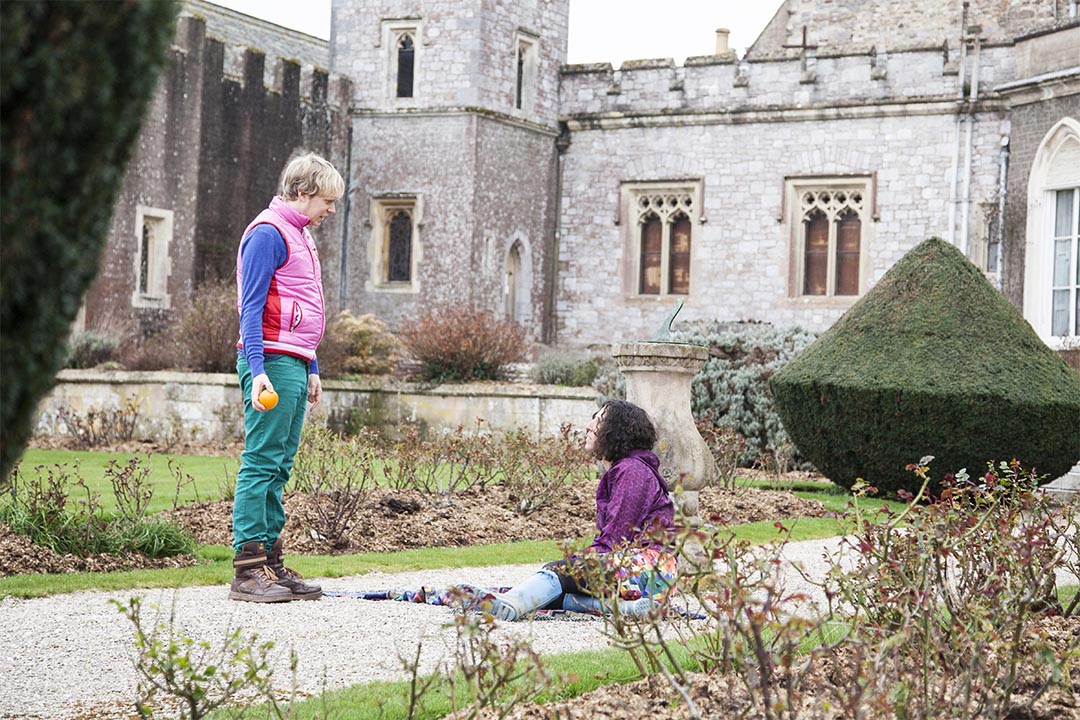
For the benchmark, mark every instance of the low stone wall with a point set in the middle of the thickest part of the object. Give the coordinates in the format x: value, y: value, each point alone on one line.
x: 208, y: 405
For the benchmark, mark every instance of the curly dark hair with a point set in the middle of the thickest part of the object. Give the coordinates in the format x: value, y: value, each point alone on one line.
x: 625, y: 427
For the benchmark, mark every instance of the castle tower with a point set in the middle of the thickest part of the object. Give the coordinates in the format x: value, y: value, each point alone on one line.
x: 453, y: 162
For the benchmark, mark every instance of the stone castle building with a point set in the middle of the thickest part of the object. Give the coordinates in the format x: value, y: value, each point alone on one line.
x: 584, y: 200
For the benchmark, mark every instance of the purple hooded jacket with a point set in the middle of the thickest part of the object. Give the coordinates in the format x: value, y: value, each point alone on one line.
x: 632, y: 499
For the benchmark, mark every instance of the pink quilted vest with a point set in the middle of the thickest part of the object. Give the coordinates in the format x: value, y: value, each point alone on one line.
x: 293, y: 318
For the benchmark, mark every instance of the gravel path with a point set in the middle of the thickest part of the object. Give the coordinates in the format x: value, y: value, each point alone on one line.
x: 70, y: 656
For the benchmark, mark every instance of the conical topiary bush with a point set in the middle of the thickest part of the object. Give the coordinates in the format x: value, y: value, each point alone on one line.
x: 932, y: 361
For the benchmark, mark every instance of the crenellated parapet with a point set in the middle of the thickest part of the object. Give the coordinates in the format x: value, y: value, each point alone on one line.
x: 790, y: 79
x: 255, y: 53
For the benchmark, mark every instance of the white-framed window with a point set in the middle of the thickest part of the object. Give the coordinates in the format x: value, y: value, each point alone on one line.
x: 831, y: 221
x: 1052, y: 246
x: 662, y: 219
x: 394, y: 249
x: 1065, y: 266
x: 401, y: 39
x: 525, y: 67
x: 153, y: 236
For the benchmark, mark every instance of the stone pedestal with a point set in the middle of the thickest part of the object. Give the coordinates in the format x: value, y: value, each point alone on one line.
x: 658, y: 377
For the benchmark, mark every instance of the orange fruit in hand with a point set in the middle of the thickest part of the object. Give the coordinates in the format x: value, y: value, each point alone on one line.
x: 268, y: 398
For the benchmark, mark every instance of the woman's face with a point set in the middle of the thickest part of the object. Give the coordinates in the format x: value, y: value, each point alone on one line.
x: 591, y: 430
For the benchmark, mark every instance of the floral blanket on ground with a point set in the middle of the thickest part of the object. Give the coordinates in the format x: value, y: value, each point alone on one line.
x: 470, y: 598
x: 465, y: 598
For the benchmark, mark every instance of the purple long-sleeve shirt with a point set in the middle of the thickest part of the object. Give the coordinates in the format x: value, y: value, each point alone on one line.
x: 262, y: 252
x: 631, y: 500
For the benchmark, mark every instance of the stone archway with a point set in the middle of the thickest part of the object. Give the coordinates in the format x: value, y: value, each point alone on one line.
x: 517, y: 287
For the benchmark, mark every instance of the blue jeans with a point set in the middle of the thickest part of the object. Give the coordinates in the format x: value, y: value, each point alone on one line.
x: 270, y: 443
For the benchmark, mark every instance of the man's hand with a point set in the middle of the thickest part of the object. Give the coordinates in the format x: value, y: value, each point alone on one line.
x: 314, y: 391
x: 258, y: 384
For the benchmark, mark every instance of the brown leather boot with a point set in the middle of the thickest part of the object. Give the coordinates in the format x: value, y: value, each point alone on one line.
x: 289, y: 577
x: 254, y: 581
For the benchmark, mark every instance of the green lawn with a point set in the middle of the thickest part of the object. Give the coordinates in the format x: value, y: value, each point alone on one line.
x: 209, y: 474
x: 574, y: 674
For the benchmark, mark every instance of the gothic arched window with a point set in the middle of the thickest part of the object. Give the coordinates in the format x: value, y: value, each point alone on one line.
x: 520, y: 76
x: 399, y: 247
x: 679, y: 260
x: 816, y: 262
x: 652, y: 255
x: 662, y: 217
x: 1051, y: 263
x: 829, y: 237
x: 406, y: 54
x: 848, y: 233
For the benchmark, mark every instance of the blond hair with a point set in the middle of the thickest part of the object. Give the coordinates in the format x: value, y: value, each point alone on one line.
x: 311, y: 174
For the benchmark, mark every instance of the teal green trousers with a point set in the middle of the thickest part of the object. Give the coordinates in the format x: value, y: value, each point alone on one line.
x: 270, y: 443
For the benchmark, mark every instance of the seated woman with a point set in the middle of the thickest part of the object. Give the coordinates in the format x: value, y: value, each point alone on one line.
x: 634, y: 517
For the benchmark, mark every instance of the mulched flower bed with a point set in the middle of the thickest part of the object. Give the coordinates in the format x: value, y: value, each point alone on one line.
x: 399, y: 520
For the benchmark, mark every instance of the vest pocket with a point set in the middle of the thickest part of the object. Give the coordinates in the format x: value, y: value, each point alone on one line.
x: 297, y: 316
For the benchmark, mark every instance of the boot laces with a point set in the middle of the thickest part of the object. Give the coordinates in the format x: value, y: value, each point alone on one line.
x: 266, y: 574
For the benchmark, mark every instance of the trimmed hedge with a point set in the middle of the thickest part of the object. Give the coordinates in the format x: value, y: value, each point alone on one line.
x: 932, y: 361
x: 76, y: 80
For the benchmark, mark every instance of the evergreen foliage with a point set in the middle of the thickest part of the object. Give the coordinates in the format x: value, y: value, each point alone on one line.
x: 565, y: 367
x: 730, y: 393
x: 731, y: 390
x: 358, y: 346
x: 932, y: 361
x: 76, y: 79
x: 89, y: 349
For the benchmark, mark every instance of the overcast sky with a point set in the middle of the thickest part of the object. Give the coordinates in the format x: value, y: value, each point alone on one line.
x: 600, y: 30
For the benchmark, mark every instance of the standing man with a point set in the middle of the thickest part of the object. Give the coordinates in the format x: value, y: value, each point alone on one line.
x: 280, y: 300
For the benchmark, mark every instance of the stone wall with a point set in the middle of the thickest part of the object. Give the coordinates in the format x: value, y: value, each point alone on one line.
x: 718, y: 84
x: 1048, y: 52
x: 211, y: 151
x: 739, y: 269
x: 238, y: 31
x: 208, y: 405
x: 915, y: 23
x: 481, y: 184
x: 249, y: 133
x: 163, y: 173
x: 480, y: 171
x: 465, y: 57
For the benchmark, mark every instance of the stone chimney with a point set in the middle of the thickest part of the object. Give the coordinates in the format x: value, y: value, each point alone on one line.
x: 722, y: 41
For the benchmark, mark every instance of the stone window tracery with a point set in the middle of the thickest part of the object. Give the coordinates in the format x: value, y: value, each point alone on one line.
x: 663, y: 222
x: 829, y: 242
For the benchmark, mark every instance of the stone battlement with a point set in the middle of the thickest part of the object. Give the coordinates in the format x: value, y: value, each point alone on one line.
x: 723, y: 83
x: 284, y: 61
